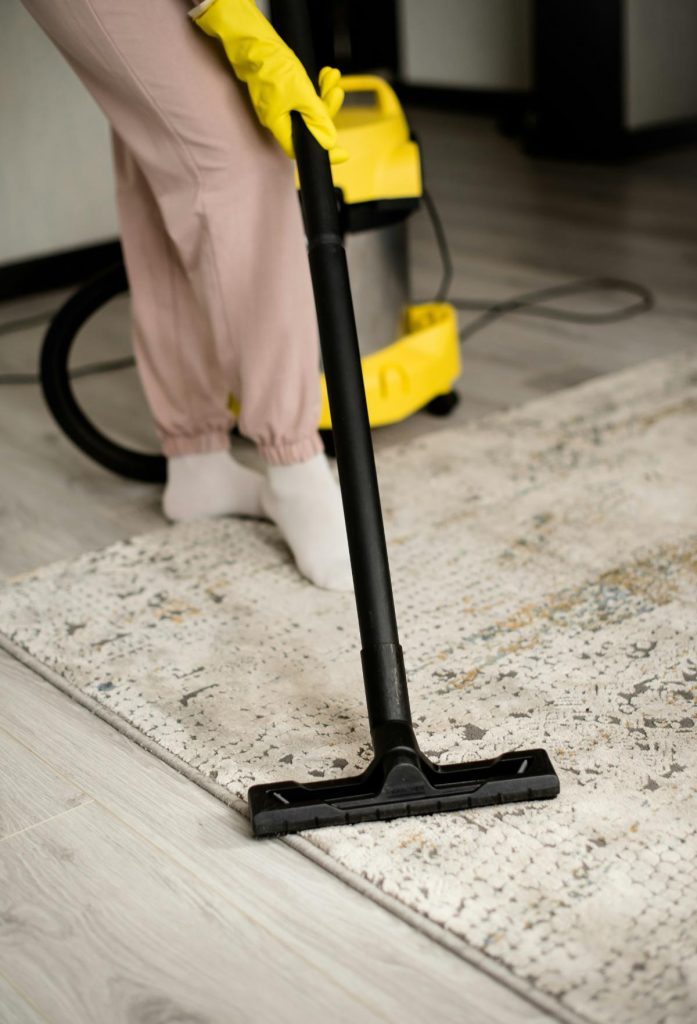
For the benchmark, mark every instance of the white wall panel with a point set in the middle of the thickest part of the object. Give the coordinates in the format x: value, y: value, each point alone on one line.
x: 56, y: 185
x: 661, y: 61
x: 472, y: 44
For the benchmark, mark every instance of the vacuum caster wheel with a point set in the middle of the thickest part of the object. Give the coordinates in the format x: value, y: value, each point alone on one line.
x: 443, y: 405
x: 328, y: 442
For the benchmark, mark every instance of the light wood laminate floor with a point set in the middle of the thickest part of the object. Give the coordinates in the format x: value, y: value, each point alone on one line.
x: 128, y: 894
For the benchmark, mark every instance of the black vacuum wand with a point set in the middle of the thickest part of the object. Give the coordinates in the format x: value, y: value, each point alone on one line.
x: 400, y: 780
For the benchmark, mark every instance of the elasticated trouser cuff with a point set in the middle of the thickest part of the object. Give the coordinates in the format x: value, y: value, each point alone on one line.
x: 286, y: 454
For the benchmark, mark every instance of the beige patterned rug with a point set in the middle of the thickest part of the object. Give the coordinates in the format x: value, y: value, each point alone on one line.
x: 545, y: 568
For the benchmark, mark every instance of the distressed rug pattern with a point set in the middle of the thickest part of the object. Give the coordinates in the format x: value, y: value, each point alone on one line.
x: 545, y: 570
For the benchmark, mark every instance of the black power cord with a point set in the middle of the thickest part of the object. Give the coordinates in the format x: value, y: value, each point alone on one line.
x: 533, y: 303
x: 90, y: 370
x: 25, y: 322
x: 37, y: 319
x: 443, y: 247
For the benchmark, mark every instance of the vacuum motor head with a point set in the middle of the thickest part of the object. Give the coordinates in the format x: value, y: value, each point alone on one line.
x: 380, y: 183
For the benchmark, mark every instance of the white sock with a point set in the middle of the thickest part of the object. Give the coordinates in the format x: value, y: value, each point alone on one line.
x: 210, y: 484
x: 304, y: 501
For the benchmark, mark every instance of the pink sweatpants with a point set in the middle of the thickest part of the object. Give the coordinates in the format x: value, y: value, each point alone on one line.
x: 211, y: 229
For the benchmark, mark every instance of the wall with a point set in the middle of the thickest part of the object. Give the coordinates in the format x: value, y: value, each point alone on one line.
x: 472, y: 44
x: 56, y: 188
x: 661, y: 61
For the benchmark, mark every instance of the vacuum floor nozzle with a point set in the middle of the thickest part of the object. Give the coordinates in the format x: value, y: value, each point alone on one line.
x: 401, y: 783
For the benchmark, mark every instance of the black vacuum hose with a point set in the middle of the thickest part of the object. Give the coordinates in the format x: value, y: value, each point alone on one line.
x: 57, y: 385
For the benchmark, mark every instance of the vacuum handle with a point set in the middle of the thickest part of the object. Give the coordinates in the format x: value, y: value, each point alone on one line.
x: 342, y: 365
x: 386, y: 102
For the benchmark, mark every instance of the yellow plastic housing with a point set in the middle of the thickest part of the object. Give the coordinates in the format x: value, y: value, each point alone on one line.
x: 403, y: 377
x: 383, y: 162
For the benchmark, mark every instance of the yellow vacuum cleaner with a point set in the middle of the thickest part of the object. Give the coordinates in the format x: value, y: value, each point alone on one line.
x: 410, y: 354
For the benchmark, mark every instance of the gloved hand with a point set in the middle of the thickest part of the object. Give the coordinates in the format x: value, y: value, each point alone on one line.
x: 276, y: 79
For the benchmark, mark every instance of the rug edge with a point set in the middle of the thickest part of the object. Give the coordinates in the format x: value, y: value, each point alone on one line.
x: 437, y: 933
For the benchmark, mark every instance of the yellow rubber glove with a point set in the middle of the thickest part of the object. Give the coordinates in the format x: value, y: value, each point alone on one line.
x: 276, y: 79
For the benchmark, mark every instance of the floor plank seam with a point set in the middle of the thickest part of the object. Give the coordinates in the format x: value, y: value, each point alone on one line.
x: 5, y: 727
x: 24, y: 997
x: 45, y: 821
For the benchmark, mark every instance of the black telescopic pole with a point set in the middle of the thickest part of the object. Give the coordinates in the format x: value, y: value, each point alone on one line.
x: 383, y: 666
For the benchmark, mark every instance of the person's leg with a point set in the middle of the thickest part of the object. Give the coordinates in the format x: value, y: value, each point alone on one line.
x: 226, y: 196
x: 177, y: 362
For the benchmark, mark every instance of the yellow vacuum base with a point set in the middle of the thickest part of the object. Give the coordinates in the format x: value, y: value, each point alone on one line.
x: 405, y: 376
